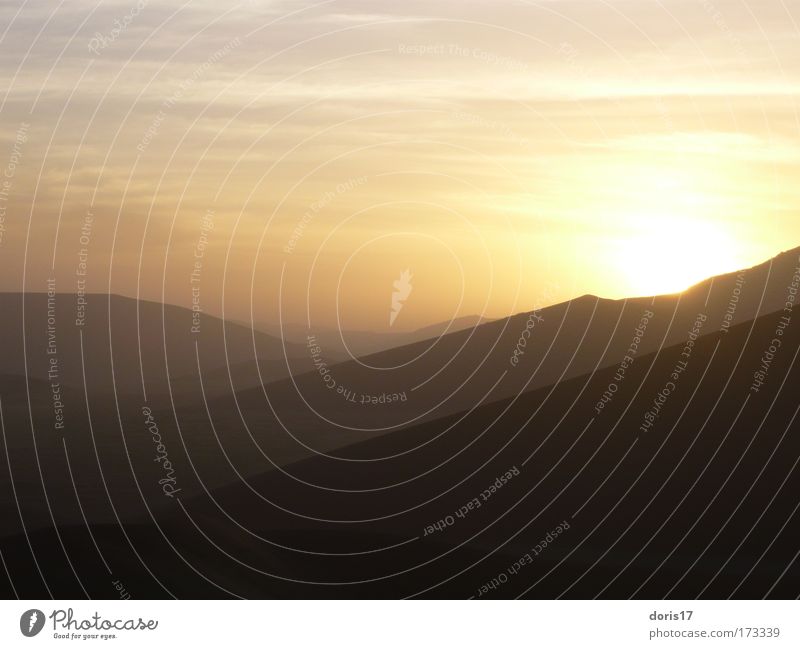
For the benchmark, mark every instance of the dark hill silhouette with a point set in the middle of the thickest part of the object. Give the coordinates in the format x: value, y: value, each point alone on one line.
x: 245, y: 437
x: 701, y: 504
x: 707, y: 491
x: 458, y: 371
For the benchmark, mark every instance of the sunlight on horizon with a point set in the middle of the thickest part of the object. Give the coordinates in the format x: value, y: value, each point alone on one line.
x: 665, y: 255
x: 672, y: 223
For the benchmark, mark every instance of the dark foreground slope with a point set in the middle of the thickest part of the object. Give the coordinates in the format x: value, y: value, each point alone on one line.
x: 703, y: 503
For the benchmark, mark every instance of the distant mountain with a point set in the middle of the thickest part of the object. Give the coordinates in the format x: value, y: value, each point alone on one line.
x: 347, y: 344
x: 129, y: 343
x: 443, y: 328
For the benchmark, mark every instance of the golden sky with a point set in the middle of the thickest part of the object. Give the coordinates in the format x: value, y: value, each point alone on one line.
x: 300, y: 156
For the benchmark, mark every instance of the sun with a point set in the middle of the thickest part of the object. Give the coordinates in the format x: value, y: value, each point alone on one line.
x: 662, y: 254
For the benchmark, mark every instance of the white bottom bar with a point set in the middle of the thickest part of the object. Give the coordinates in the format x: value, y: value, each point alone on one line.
x: 352, y: 625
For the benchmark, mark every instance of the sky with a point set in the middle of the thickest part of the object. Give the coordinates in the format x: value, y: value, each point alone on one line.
x: 292, y: 160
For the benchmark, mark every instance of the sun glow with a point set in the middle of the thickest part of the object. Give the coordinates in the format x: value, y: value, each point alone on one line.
x: 673, y: 222
x: 667, y: 255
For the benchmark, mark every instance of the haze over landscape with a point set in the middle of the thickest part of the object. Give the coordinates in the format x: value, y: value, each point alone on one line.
x: 338, y: 299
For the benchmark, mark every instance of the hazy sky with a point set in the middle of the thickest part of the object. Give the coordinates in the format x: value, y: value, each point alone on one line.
x: 508, y: 154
